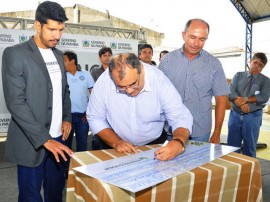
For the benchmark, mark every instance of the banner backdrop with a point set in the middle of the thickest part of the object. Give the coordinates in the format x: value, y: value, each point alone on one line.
x: 86, y: 47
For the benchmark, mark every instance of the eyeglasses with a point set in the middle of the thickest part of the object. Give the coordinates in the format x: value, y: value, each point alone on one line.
x: 256, y: 67
x: 134, y: 86
x: 257, y: 64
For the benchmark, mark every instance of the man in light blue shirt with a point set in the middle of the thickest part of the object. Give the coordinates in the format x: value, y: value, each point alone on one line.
x: 129, y: 105
x: 80, y: 82
x: 198, y: 77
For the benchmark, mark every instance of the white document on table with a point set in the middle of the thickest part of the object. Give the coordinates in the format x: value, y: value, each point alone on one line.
x: 139, y: 171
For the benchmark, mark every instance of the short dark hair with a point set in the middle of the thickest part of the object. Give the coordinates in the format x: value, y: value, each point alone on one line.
x: 143, y: 46
x: 153, y: 63
x: 121, y: 59
x: 50, y: 10
x: 196, y: 19
x: 104, y: 50
x: 260, y: 56
x: 73, y: 56
x: 164, y: 51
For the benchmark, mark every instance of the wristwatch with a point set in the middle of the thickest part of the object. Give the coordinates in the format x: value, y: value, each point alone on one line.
x: 246, y: 99
x: 180, y: 142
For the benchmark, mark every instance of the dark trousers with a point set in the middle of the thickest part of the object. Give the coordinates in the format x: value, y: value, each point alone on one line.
x: 98, y: 143
x: 49, y: 173
x: 81, y: 130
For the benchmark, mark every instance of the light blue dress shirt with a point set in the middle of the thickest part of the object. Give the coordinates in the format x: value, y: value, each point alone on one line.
x: 197, y: 81
x: 79, y: 84
x: 139, y: 119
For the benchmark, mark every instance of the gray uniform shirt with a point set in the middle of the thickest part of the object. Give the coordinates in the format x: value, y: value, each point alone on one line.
x: 260, y: 89
x: 96, y: 72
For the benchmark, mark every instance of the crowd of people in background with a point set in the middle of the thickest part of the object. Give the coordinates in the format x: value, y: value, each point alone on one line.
x: 51, y: 98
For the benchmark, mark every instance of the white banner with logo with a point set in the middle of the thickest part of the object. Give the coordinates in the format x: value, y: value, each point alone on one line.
x: 86, y: 47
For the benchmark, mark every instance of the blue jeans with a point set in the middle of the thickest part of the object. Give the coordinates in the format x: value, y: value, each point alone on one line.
x: 202, y: 138
x: 49, y: 173
x: 244, y: 128
x: 81, y: 130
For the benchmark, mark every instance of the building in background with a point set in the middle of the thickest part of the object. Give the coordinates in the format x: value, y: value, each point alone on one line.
x: 93, y: 22
x: 233, y: 60
x: 79, y: 14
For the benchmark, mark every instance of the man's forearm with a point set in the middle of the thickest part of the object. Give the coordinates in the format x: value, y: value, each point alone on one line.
x: 220, y: 112
x: 182, y: 134
x: 251, y: 99
x: 109, y: 137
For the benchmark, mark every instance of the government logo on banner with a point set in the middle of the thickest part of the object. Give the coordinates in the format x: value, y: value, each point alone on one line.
x: 23, y: 38
x: 113, y: 45
x: 85, y: 43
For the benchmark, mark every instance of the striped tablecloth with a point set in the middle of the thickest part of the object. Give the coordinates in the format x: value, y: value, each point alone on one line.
x: 233, y: 177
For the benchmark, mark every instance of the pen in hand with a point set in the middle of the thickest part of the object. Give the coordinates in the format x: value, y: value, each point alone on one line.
x: 164, y: 144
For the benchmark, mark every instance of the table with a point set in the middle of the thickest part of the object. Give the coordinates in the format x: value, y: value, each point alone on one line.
x: 234, y: 177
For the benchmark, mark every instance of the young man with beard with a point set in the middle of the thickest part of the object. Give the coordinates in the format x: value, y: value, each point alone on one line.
x: 37, y: 96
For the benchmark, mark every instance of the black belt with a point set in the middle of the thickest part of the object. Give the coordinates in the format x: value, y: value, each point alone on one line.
x: 242, y: 113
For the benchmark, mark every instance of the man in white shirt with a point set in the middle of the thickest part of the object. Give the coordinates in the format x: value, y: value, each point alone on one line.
x: 128, y: 107
x: 37, y: 96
